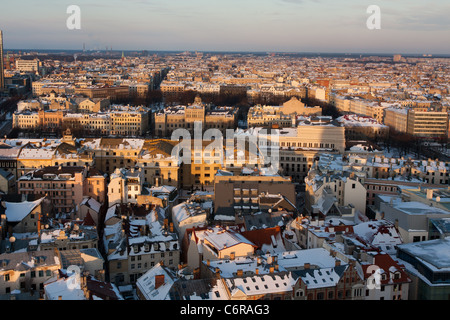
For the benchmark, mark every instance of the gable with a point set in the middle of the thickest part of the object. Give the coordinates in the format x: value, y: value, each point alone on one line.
x: 17, y: 211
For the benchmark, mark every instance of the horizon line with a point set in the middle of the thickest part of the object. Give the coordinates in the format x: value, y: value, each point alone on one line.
x: 230, y: 51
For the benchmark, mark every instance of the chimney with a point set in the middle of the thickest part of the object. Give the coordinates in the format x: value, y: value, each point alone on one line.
x: 159, y: 280
x: 257, y: 271
x: 271, y: 269
x: 276, y: 267
x: 429, y: 194
x: 307, y: 265
x: 337, y: 263
x: 240, y: 273
x: 171, y: 227
x: 217, y: 273
x: 59, y: 297
x: 232, y: 256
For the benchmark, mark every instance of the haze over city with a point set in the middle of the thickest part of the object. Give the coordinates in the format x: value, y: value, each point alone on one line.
x: 251, y: 25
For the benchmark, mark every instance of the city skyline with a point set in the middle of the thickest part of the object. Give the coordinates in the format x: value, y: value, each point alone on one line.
x: 249, y: 26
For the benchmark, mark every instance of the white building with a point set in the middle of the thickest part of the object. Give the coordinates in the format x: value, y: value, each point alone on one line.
x: 125, y: 186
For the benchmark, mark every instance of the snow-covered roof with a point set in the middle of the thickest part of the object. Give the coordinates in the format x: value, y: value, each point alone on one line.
x: 146, y: 283
x: 262, y: 284
x: 17, y: 211
x: 434, y: 254
x: 221, y: 238
x: 60, y: 288
x: 91, y: 203
x: 321, y: 278
x: 293, y: 260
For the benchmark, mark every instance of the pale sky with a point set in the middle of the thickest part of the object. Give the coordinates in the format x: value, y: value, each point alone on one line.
x: 407, y: 26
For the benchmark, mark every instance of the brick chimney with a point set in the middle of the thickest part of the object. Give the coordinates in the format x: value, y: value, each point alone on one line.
x: 337, y: 263
x: 307, y: 265
x: 159, y: 280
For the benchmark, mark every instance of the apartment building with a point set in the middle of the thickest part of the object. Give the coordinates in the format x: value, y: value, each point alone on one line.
x: 184, y: 117
x: 128, y: 121
x: 92, y: 105
x: 74, y: 237
x: 50, y: 119
x: 281, y: 116
x: 27, y: 271
x: 239, y: 193
x: 363, y: 128
x: 396, y: 119
x: 64, y: 186
x: 428, y: 123
x: 158, y: 164
x: 125, y: 186
x: 31, y: 66
x: 45, y: 152
x: 113, y: 153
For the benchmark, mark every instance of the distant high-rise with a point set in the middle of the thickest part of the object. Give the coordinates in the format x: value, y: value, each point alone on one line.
x: 2, y: 67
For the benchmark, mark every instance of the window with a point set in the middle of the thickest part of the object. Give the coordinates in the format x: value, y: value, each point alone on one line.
x: 299, y: 293
x: 7, y: 278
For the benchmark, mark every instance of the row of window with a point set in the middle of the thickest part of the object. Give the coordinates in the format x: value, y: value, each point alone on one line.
x: 33, y: 274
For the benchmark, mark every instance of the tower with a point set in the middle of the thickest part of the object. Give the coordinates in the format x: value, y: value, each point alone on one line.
x: 2, y: 67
